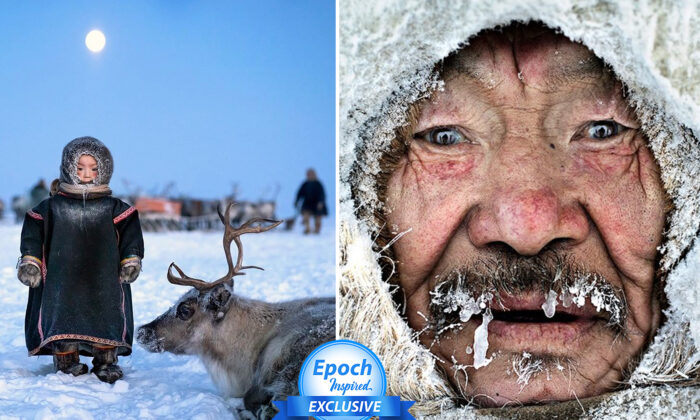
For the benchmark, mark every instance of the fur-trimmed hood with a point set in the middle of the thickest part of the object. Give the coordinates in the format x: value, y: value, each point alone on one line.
x: 86, y: 146
x: 388, y: 52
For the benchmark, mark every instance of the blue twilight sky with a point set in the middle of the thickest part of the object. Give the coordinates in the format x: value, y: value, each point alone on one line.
x: 205, y: 94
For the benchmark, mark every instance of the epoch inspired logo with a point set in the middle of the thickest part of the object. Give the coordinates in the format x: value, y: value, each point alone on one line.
x: 343, y: 378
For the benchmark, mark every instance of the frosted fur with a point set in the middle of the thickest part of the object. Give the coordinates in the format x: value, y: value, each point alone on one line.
x: 86, y: 146
x: 387, y: 53
x: 367, y: 315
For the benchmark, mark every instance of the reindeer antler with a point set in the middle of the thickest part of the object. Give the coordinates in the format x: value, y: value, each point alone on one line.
x: 230, y: 234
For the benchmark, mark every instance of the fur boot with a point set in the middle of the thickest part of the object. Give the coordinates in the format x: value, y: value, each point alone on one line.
x: 67, y: 360
x: 104, y: 364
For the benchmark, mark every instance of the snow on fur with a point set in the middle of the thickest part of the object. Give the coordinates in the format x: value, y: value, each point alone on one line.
x: 386, y: 64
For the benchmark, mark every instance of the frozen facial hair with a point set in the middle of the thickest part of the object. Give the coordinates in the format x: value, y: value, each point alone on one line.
x: 469, y: 291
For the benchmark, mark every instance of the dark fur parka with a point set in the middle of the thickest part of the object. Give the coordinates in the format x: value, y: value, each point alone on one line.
x: 80, y: 240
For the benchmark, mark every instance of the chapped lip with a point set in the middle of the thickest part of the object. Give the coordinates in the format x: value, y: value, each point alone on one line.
x: 567, y: 325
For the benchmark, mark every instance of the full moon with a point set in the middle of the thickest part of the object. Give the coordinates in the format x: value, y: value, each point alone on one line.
x: 95, y: 40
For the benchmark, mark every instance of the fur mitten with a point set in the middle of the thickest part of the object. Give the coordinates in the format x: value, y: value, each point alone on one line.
x: 29, y: 271
x: 131, y: 267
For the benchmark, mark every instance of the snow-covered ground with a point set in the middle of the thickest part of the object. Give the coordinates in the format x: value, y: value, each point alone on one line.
x: 155, y: 386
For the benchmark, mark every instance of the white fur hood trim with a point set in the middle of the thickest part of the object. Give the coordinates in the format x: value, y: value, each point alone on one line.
x: 654, y: 48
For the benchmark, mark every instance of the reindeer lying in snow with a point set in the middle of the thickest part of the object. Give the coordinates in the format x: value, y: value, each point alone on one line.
x: 251, y: 349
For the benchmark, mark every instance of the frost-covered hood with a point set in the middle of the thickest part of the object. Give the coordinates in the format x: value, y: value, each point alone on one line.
x: 653, y: 47
x: 86, y: 146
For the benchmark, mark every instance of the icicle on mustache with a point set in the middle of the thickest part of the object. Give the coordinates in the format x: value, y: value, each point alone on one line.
x: 467, y: 292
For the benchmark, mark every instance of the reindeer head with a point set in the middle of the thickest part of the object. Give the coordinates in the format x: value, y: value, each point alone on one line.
x: 180, y: 329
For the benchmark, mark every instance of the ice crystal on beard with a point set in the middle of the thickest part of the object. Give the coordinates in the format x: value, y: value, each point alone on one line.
x: 525, y: 367
x: 459, y: 300
x: 465, y: 305
x: 549, y: 306
x: 466, y: 291
x: 566, y: 299
x: 601, y: 295
x: 458, y: 368
x: 481, y: 341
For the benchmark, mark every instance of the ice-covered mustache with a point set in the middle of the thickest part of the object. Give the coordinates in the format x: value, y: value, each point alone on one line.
x: 468, y: 291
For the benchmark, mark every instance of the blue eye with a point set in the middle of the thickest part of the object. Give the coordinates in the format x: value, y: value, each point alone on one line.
x: 602, y: 130
x: 443, y: 136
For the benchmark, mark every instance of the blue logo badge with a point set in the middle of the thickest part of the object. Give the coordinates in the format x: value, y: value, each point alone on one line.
x: 343, y: 379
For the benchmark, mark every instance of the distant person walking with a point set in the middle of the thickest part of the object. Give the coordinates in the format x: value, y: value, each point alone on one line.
x: 313, y: 201
x: 38, y: 193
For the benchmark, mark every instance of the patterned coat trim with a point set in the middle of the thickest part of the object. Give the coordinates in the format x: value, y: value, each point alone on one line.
x: 38, y: 326
x: 30, y: 259
x: 43, y: 266
x: 131, y: 260
x: 123, y: 308
x: 124, y: 215
x: 34, y: 215
x: 88, y: 338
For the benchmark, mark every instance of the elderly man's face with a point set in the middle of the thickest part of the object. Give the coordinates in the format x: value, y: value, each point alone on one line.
x: 527, y: 177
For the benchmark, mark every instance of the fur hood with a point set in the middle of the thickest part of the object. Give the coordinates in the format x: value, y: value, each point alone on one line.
x: 654, y: 48
x: 86, y: 146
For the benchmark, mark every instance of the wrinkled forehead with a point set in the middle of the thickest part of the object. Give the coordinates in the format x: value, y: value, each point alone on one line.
x: 530, y: 55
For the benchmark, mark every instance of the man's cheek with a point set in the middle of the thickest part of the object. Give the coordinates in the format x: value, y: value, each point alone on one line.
x: 621, y: 160
x: 433, y: 171
x: 427, y: 183
x: 628, y: 173
x: 430, y: 197
x: 606, y: 163
x: 625, y: 198
x: 447, y: 170
x: 650, y: 178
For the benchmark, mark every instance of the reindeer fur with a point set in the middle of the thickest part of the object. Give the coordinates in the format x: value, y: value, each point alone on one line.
x: 251, y: 349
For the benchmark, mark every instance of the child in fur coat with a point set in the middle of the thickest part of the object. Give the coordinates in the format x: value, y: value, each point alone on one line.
x: 81, y: 248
